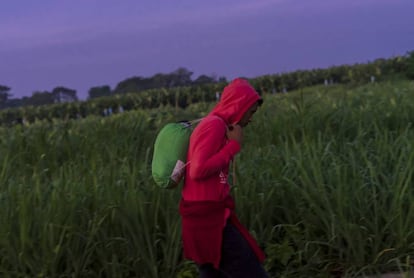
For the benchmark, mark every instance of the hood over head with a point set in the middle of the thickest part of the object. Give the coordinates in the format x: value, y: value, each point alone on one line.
x: 236, y: 99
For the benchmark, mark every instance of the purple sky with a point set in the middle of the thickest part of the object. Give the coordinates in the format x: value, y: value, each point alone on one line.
x: 84, y: 43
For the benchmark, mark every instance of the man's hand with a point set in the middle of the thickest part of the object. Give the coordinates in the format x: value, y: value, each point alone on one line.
x: 235, y: 132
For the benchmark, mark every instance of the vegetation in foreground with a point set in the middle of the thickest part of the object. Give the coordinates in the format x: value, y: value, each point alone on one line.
x: 324, y: 182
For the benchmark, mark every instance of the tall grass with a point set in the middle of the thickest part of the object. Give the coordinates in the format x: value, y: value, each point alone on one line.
x: 332, y: 178
x: 77, y: 200
x: 324, y: 182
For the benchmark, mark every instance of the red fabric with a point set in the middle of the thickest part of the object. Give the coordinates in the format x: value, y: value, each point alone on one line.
x: 206, y: 204
x: 202, y: 230
x: 236, y: 99
x: 210, y: 152
x: 209, y: 156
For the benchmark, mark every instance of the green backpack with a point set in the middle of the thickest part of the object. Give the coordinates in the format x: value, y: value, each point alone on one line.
x: 170, y: 153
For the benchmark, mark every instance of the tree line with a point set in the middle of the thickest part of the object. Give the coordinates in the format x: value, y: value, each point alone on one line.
x: 178, y: 78
x: 57, y: 95
x: 177, y: 89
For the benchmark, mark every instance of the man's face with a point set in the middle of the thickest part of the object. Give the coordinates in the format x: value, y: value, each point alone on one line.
x: 247, y: 117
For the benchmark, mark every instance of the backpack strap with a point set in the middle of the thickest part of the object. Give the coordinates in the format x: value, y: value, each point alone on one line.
x: 196, y: 121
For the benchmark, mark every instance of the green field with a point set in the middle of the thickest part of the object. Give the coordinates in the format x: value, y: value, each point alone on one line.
x: 324, y: 182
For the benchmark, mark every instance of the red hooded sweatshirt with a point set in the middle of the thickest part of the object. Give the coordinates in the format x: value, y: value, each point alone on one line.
x: 206, y: 204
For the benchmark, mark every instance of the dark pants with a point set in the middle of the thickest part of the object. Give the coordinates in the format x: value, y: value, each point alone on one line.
x: 237, y: 258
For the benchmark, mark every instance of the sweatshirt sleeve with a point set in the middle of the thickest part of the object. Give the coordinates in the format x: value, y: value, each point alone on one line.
x: 211, y: 151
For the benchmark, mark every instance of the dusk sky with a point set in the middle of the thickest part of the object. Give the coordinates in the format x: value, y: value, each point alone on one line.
x: 80, y: 44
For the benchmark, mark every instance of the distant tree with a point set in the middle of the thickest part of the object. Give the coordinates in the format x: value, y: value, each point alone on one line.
x: 99, y: 91
x: 161, y: 80
x: 4, y: 89
x: 181, y: 77
x: 410, y: 65
x: 14, y: 102
x: 222, y: 79
x: 63, y: 94
x: 177, y: 78
x: 129, y: 85
x: 41, y: 98
x: 4, y: 95
x: 204, y: 79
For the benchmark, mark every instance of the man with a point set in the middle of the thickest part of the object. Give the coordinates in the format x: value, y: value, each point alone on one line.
x: 212, y: 235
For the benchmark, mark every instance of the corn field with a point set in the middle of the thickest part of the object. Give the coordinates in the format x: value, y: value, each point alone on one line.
x: 324, y: 181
